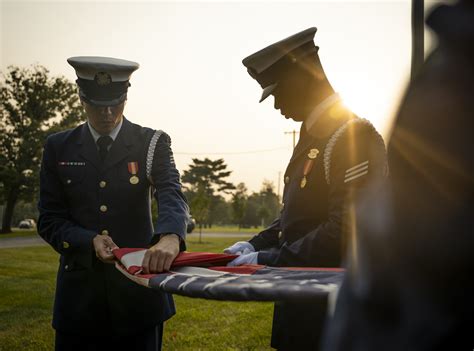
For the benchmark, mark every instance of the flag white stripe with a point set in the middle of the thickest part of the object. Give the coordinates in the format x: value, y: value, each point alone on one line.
x: 357, y: 171
x: 133, y: 259
x: 187, y: 282
x: 356, y: 176
x: 357, y: 166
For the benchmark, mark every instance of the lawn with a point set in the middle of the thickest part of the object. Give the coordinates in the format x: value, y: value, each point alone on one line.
x: 223, y: 229
x: 27, y: 279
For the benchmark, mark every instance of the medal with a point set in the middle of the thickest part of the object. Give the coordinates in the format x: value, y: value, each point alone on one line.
x: 308, y: 166
x: 133, y: 170
x: 303, y: 182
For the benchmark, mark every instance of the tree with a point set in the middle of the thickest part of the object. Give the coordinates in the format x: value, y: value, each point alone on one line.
x: 220, y: 211
x: 270, y: 202
x: 200, y: 207
x: 262, y: 207
x: 32, y: 105
x: 239, y: 204
x: 206, y: 178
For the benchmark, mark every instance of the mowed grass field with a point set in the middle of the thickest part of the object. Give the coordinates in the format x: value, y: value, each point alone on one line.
x: 27, y: 283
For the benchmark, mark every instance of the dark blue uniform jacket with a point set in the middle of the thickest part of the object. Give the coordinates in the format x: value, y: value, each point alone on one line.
x: 309, y: 231
x: 80, y: 197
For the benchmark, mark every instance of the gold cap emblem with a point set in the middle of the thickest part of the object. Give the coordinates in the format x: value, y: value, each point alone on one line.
x: 103, y: 78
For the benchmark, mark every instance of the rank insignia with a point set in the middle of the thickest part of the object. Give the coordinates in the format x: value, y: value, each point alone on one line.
x: 313, y: 153
x: 133, y: 170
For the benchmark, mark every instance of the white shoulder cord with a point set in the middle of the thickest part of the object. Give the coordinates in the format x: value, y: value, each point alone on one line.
x: 333, y: 140
x: 151, y: 153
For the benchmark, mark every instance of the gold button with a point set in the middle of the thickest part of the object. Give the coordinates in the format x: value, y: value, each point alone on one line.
x: 287, y: 180
x: 66, y: 267
x: 65, y: 244
x: 68, y: 181
x: 105, y: 232
x: 102, y: 183
x: 279, y: 234
x: 103, y: 208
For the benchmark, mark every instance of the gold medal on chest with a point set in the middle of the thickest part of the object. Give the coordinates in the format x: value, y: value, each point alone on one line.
x: 133, y: 170
x: 303, y: 182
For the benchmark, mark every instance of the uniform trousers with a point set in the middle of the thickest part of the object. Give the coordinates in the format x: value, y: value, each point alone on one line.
x: 147, y: 340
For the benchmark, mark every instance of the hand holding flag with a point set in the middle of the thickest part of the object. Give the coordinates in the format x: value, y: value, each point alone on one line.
x: 250, y: 258
x: 103, y: 246
x: 160, y: 256
x: 240, y: 248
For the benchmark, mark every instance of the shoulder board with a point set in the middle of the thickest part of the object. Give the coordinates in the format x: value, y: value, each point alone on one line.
x: 151, y: 152
x: 335, y: 137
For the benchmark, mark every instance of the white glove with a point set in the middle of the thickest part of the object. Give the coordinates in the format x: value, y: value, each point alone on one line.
x: 250, y: 258
x: 240, y: 248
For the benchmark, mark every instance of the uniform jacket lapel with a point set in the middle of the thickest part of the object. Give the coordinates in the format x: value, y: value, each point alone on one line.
x: 304, y: 143
x: 88, y: 148
x: 121, y: 146
x: 309, y: 139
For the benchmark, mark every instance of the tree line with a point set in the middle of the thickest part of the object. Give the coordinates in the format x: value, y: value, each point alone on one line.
x: 206, y: 189
x: 33, y: 105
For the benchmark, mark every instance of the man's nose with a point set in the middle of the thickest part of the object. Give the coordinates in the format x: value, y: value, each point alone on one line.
x: 107, y: 110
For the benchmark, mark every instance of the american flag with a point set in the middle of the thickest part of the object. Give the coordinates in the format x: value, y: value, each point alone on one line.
x: 204, y: 275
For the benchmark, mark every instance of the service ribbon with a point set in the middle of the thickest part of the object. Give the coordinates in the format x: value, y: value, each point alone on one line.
x: 133, y: 168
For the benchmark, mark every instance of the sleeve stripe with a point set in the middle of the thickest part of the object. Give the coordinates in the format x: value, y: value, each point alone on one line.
x: 356, y: 176
x: 349, y: 174
x: 357, y: 166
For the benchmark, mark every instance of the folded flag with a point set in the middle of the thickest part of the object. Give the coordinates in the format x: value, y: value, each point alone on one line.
x: 132, y: 259
x: 201, y: 275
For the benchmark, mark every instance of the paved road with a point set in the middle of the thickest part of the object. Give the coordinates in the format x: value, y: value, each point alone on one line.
x: 23, y: 241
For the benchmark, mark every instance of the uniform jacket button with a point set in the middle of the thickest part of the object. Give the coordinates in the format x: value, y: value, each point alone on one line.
x: 66, y: 267
x: 105, y: 232
x: 102, y: 183
x: 287, y: 179
x: 65, y: 244
x: 103, y: 208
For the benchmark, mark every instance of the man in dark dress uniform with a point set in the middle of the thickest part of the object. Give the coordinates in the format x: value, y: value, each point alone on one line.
x: 337, y: 154
x: 95, y: 193
x: 414, y: 287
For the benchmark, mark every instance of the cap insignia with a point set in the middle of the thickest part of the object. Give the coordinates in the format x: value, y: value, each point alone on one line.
x: 103, y: 78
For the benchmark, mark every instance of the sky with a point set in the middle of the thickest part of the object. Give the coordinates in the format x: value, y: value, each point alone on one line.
x: 191, y: 82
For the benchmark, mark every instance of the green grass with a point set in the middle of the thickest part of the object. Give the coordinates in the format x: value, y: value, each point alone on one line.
x: 27, y: 280
x: 228, y: 229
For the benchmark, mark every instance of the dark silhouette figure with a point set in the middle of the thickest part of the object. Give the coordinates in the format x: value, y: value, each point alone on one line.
x: 412, y: 286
